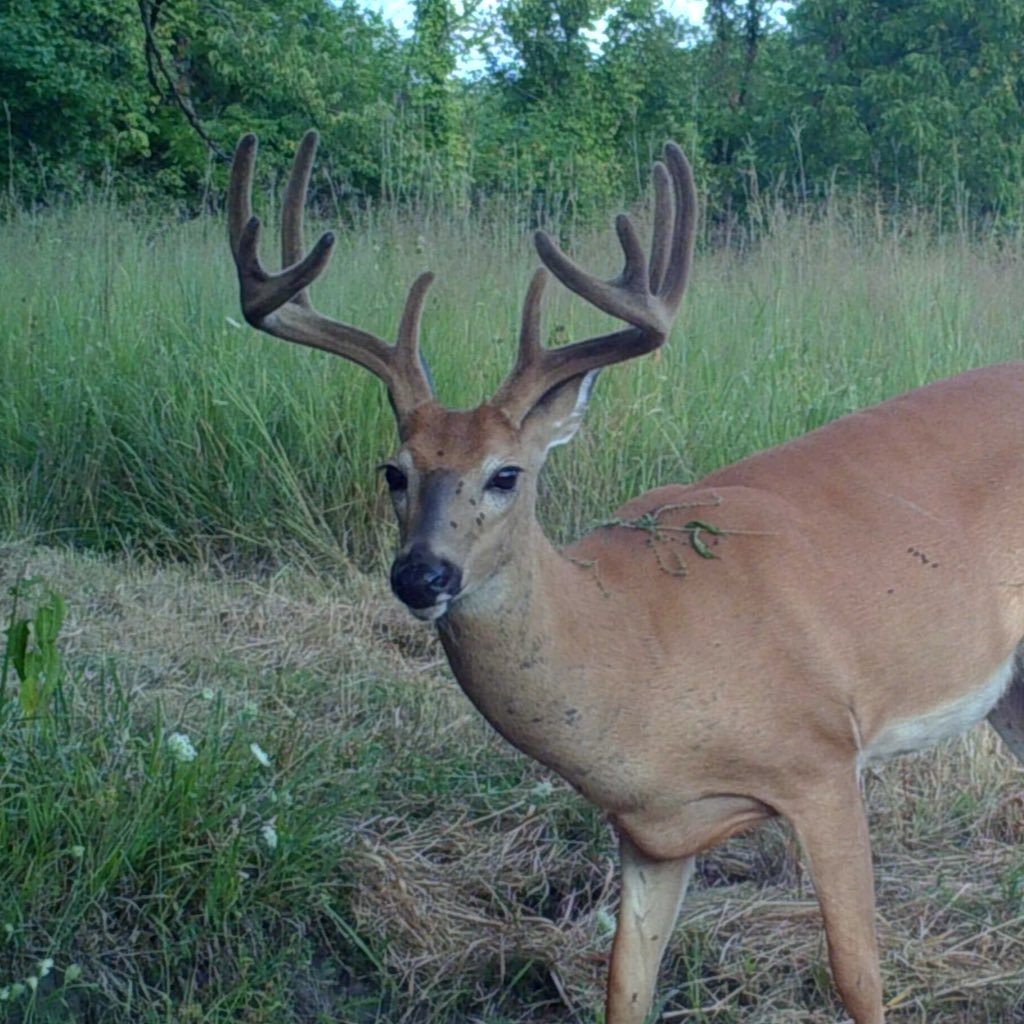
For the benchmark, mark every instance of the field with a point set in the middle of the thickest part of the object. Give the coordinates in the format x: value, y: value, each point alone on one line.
x: 238, y: 784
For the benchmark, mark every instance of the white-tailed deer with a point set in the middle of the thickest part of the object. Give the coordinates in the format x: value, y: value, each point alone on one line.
x: 865, y: 596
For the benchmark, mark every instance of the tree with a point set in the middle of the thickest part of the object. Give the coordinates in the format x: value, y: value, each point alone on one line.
x: 648, y: 79
x: 432, y: 59
x: 70, y: 74
x: 144, y: 88
x: 278, y: 67
x: 924, y: 97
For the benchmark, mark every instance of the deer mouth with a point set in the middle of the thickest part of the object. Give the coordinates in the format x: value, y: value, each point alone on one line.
x: 433, y: 613
x: 425, y: 583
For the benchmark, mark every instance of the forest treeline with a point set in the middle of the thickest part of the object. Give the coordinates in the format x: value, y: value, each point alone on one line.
x: 565, y: 101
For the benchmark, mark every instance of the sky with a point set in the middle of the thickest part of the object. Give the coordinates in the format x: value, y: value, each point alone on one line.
x: 399, y: 12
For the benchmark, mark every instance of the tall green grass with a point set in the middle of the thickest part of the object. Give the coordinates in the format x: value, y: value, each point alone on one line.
x: 137, y: 413
x: 416, y: 863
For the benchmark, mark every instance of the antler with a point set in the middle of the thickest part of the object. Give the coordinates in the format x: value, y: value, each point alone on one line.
x: 646, y: 294
x: 279, y: 303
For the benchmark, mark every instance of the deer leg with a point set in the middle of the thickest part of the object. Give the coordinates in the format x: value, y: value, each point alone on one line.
x: 652, y: 892
x: 1007, y: 717
x: 832, y: 828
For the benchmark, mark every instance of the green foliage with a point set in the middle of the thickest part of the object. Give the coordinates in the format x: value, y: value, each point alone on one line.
x: 31, y: 650
x: 919, y: 101
x: 921, y: 98
x: 71, y: 76
x: 432, y: 58
x: 143, y: 867
x: 277, y: 68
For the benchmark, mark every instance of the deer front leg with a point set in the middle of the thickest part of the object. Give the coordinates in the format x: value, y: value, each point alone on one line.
x: 1007, y: 717
x: 652, y: 892
x: 832, y: 828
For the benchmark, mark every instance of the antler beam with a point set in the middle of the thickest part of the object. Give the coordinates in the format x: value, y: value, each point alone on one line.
x: 279, y: 304
x: 646, y: 294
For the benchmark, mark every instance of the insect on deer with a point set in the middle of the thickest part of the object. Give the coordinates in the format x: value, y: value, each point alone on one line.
x: 866, y: 597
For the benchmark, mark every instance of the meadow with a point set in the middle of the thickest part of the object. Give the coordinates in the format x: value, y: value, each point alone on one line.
x: 237, y: 782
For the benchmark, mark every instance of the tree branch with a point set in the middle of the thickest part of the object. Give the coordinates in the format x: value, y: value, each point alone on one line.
x: 156, y: 70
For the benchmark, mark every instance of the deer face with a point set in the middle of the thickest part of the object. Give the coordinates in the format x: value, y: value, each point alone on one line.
x: 464, y: 489
x: 464, y: 483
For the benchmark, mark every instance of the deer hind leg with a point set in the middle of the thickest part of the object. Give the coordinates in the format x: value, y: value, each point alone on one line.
x: 652, y: 892
x: 832, y: 828
x: 1007, y: 717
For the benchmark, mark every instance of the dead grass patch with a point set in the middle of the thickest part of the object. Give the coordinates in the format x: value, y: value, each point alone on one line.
x: 481, y: 888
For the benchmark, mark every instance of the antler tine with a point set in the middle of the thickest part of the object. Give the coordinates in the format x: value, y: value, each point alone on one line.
x: 646, y: 294
x: 664, y: 213
x: 677, y: 273
x: 278, y: 303
x: 292, y: 213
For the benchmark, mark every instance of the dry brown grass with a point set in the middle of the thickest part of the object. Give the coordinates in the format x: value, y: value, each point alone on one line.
x: 483, y: 889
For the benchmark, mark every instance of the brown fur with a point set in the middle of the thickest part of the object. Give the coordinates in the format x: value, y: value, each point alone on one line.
x: 718, y: 653
x: 864, y: 576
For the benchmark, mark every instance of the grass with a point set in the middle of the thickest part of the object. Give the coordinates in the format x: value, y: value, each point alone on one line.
x: 136, y: 415
x: 203, y: 499
x: 422, y: 870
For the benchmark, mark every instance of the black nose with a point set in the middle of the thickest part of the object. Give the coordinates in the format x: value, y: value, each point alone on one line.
x: 419, y: 578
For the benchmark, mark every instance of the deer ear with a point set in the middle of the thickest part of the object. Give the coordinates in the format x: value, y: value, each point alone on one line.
x: 557, y: 414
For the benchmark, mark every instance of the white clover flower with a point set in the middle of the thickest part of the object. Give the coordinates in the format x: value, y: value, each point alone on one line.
x: 260, y: 754
x: 5, y: 993
x: 45, y: 966
x: 181, y: 748
x: 605, y: 922
x: 269, y: 834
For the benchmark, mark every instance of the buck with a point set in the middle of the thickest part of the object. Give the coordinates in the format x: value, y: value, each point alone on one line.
x: 719, y: 653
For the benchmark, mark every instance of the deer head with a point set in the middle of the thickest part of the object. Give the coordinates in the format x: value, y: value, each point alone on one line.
x: 463, y: 482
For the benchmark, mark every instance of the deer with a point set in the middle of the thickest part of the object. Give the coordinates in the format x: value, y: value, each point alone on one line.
x: 718, y: 653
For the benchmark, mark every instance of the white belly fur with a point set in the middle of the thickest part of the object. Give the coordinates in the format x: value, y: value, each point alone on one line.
x: 912, y: 734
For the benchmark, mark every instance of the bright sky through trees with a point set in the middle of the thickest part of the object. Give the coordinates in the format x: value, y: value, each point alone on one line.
x: 400, y: 12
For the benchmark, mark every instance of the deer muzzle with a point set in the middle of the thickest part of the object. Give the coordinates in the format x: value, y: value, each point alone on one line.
x: 424, y: 582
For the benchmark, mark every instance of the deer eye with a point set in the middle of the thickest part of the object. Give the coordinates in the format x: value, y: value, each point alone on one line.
x: 504, y: 479
x: 395, y: 478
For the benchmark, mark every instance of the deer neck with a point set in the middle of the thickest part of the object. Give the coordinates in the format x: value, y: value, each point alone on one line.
x: 515, y: 646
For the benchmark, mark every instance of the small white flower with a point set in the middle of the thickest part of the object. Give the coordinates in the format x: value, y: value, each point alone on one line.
x: 33, y: 982
x: 542, y: 790
x: 181, y: 748
x: 78, y: 852
x: 605, y: 922
x: 269, y: 834
x: 45, y: 966
x: 207, y: 694
x: 5, y: 993
x: 260, y: 754
x: 73, y: 972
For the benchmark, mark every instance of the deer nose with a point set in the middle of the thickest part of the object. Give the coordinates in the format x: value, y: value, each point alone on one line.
x: 421, y: 579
